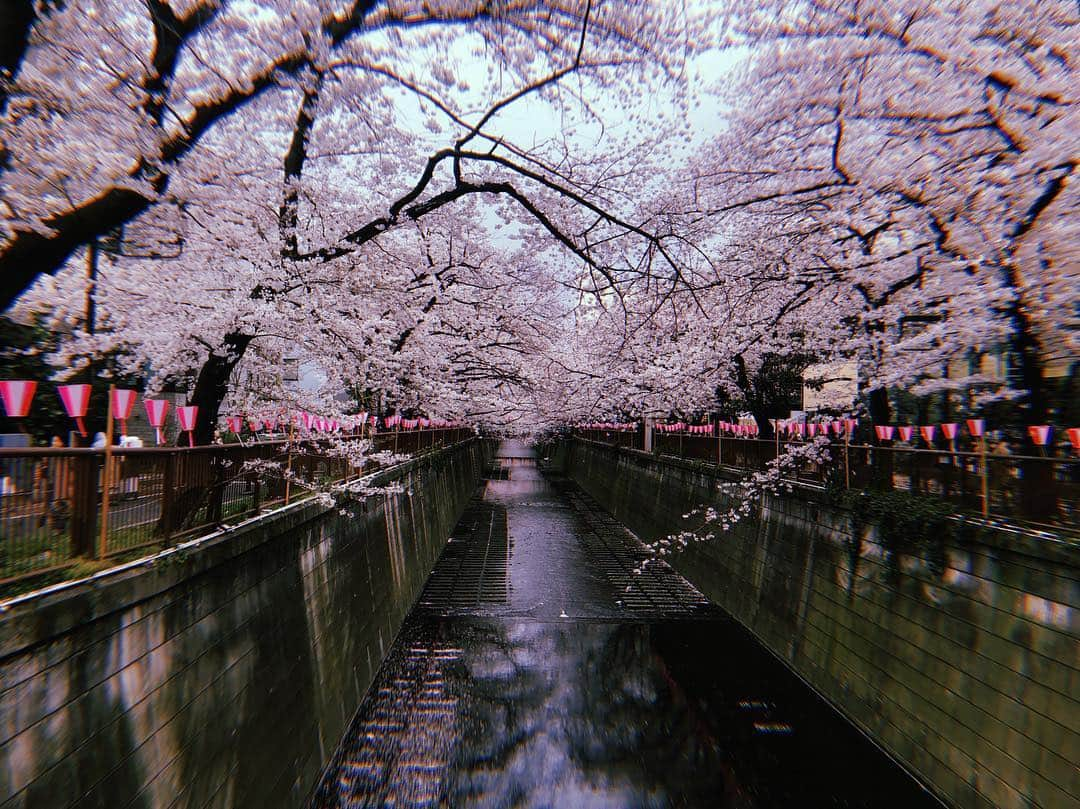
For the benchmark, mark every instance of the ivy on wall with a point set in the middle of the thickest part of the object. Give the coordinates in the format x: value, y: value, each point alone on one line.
x: 907, y: 523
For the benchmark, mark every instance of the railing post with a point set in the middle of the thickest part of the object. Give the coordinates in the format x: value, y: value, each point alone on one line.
x: 106, y: 486
x: 256, y: 500
x: 168, y: 486
x: 288, y: 463
x: 84, y: 505
x: 847, y: 458
x: 985, y: 469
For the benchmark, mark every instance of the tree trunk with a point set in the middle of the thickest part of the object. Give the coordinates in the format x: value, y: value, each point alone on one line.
x: 1038, y: 494
x: 878, y: 404
x: 881, y: 413
x: 213, y: 383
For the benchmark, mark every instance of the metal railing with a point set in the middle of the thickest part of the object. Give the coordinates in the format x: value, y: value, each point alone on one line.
x: 1041, y: 490
x: 54, y: 502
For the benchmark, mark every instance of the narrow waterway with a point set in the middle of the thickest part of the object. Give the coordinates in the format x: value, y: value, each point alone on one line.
x: 538, y: 670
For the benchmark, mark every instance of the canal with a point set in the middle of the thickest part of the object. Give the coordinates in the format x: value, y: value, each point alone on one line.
x: 537, y: 670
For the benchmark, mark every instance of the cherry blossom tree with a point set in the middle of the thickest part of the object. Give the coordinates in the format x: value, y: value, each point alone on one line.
x: 301, y: 202
x: 105, y: 105
x: 365, y: 185
x: 911, y: 163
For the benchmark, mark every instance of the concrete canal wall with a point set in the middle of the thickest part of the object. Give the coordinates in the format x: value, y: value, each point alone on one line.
x: 223, y: 675
x: 964, y: 667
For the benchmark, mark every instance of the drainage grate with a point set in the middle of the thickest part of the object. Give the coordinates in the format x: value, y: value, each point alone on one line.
x: 658, y: 591
x: 472, y: 570
x: 394, y: 753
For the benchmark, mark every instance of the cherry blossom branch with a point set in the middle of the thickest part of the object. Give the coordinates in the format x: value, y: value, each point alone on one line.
x: 746, y: 494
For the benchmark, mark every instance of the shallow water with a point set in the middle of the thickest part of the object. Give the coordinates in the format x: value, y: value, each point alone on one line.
x: 529, y: 675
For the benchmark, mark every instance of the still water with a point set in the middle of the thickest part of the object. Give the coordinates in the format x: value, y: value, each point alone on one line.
x: 538, y: 671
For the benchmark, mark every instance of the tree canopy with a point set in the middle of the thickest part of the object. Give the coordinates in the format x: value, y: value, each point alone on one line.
x: 531, y: 212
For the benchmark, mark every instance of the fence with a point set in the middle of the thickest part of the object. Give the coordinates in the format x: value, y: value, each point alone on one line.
x: 53, y: 501
x: 1041, y: 490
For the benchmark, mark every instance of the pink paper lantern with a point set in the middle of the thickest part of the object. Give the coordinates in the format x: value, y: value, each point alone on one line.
x: 122, y: 403
x: 17, y: 394
x: 1074, y: 438
x: 928, y: 431
x: 950, y: 430
x: 156, y: 409
x: 976, y: 427
x: 76, y: 399
x: 1040, y: 434
x: 234, y: 424
x: 850, y: 425
x: 186, y: 416
x: 906, y: 433
x: 884, y: 432
x: 254, y: 425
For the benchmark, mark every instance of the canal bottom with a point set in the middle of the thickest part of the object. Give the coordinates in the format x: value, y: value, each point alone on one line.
x: 538, y: 670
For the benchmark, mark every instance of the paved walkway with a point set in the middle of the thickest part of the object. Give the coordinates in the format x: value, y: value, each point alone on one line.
x: 538, y: 671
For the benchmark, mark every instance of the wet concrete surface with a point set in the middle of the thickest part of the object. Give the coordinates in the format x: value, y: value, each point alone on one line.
x: 537, y: 670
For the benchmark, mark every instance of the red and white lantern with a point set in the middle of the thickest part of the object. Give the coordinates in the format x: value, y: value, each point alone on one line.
x: 976, y: 427
x: 122, y: 403
x: 76, y: 399
x: 234, y: 424
x: 156, y: 410
x: 17, y: 394
x: 884, y: 432
x: 850, y: 425
x: 1074, y: 438
x: 906, y: 433
x: 928, y: 431
x: 186, y: 416
x: 1040, y: 434
x: 271, y: 423
x: 950, y: 431
x: 254, y: 425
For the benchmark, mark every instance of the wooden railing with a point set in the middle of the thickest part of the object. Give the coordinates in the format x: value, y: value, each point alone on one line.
x: 60, y: 505
x: 1039, y: 490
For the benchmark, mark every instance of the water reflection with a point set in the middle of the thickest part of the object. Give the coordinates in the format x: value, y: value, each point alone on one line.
x: 507, y: 704
x: 597, y: 714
